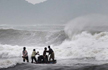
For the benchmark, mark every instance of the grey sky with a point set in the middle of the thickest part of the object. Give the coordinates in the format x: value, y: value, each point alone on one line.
x: 20, y: 12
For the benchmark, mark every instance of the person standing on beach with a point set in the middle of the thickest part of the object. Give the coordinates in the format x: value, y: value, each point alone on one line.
x: 33, y: 55
x: 25, y: 55
x: 45, y: 56
x: 51, y: 54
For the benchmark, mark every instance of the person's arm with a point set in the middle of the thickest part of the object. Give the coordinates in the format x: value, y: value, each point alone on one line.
x: 25, y: 54
x: 37, y: 53
x: 22, y: 54
x: 47, y: 51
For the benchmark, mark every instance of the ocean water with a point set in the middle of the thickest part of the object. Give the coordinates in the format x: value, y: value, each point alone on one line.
x: 84, y: 47
x: 73, y: 44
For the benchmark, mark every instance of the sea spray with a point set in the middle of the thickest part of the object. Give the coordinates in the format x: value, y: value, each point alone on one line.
x: 93, y: 23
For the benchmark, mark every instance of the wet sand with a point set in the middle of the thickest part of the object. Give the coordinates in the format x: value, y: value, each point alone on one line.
x: 30, y: 66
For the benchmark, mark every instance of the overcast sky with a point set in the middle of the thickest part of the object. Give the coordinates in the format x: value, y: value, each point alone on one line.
x: 33, y: 12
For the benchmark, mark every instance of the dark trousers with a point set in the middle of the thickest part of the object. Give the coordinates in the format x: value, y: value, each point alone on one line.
x: 25, y: 58
x: 33, y: 58
x: 46, y: 59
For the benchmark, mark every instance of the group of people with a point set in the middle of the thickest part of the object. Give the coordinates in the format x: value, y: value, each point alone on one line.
x: 41, y: 58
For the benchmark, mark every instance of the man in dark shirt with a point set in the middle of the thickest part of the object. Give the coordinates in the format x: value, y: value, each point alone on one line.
x: 51, y: 54
x: 44, y: 55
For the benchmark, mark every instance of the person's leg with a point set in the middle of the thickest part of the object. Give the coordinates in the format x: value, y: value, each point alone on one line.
x: 32, y: 59
x: 53, y: 56
x: 27, y: 59
x: 35, y: 59
x: 50, y: 57
x: 46, y: 58
x: 43, y: 58
x: 39, y: 59
x: 23, y: 59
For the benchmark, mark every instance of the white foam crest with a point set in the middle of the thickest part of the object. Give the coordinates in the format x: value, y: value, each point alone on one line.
x: 85, y: 45
x: 5, y: 63
x: 8, y: 51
